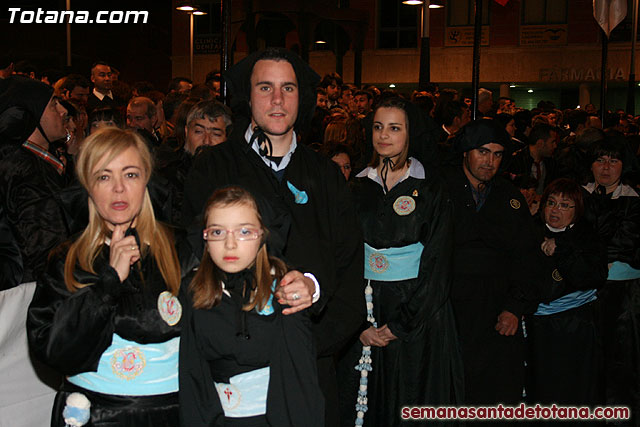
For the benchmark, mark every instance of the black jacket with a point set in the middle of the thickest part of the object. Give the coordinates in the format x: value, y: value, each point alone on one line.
x: 617, y: 222
x: 30, y: 192
x: 578, y: 263
x: 495, y: 243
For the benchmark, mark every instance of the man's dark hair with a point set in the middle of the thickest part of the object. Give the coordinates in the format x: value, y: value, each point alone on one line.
x: 202, y: 91
x: 328, y: 79
x: 522, y: 120
x: 171, y: 103
x: 546, y: 105
x: 74, y: 80
x: 366, y: 93
x: 24, y: 67
x: 450, y: 110
x: 321, y: 91
x: 211, y: 109
x: 143, y: 87
x: 576, y: 118
x: 611, y: 120
x: 504, y: 119
x: 53, y: 75
x: 432, y: 88
x: 347, y: 86
x: 540, y: 131
x: 95, y: 64
x: 174, y: 84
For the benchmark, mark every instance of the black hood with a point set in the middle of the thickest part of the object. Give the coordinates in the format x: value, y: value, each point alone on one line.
x: 238, y: 80
x: 22, y: 102
x: 481, y: 132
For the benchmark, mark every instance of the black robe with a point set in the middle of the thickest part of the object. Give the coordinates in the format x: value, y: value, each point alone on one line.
x: 565, y: 349
x: 617, y: 222
x: 30, y: 190
x: 423, y: 366
x: 70, y: 331
x: 212, y: 350
x: 494, y: 257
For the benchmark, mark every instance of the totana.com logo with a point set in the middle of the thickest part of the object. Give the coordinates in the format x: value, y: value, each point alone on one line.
x: 40, y: 16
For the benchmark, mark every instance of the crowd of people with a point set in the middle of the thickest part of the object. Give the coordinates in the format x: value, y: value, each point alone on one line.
x: 315, y: 253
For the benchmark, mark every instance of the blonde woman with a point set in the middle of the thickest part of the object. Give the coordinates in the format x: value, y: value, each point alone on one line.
x: 106, y: 312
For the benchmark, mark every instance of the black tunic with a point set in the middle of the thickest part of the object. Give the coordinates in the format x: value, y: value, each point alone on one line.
x: 70, y: 331
x: 212, y: 350
x: 617, y: 222
x: 565, y: 358
x: 494, y: 256
x: 423, y: 366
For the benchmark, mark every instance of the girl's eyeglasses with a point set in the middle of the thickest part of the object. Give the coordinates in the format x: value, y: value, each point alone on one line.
x: 215, y: 234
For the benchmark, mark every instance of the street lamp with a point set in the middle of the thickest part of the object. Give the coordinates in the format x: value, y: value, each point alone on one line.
x: 425, y: 66
x: 191, y: 9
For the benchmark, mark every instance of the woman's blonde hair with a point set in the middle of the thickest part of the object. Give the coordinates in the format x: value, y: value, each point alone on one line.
x: 206, y: 286
x: 98, y: 150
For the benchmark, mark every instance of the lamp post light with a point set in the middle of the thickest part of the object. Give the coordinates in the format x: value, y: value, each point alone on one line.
x: 191, y: 10
x: 425, y: 53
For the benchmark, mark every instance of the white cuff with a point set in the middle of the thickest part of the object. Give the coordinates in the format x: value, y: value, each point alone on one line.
x: 316, y: 295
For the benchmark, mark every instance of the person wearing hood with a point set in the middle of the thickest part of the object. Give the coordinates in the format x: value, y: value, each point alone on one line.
x: 494, y: 251
x: 613, y: 209
x: 31, y: 173
x: 407, y: 353
x: 313, y: 218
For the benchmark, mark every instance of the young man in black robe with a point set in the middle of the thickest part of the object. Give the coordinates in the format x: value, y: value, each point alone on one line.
x: 494, y: 250
x: 312, y: 216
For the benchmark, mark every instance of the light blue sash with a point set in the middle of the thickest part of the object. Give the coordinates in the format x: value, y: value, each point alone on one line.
x: 128, y: 368
x: 392, y: 264
x: 245, y: 395
x: 567, y: 302
x: 622, y: 271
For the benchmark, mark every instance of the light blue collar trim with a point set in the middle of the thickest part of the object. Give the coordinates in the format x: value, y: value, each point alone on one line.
x: 285, y: 160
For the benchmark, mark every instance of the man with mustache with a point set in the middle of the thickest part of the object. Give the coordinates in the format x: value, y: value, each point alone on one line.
x: 494, y: 250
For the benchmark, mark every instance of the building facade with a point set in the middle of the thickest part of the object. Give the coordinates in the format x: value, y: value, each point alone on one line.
x: 531, y: 49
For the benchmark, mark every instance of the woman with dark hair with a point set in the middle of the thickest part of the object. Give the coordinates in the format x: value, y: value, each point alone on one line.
x: 508, y: 122
x: 563, y: 332
x: 408, y: 347
x: 104, y: 117
x: 341, y: 155
x: 613, y: 209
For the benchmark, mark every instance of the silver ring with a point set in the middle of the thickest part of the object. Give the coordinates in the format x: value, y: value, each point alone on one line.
x: 133, y: 248
x: 296, y: 297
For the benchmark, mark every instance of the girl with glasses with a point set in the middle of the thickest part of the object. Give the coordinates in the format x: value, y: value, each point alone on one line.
x: 242, y: 362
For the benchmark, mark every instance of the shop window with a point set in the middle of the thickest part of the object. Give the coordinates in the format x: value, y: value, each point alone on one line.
x: 398, y: 25
x: 544, y: 12
x: 461, y: 13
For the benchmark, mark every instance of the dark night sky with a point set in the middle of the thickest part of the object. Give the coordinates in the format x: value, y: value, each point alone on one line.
x: 139, y: 51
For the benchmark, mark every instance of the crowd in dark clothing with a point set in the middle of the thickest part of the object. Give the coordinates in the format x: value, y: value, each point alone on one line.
x: 536, y: 307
